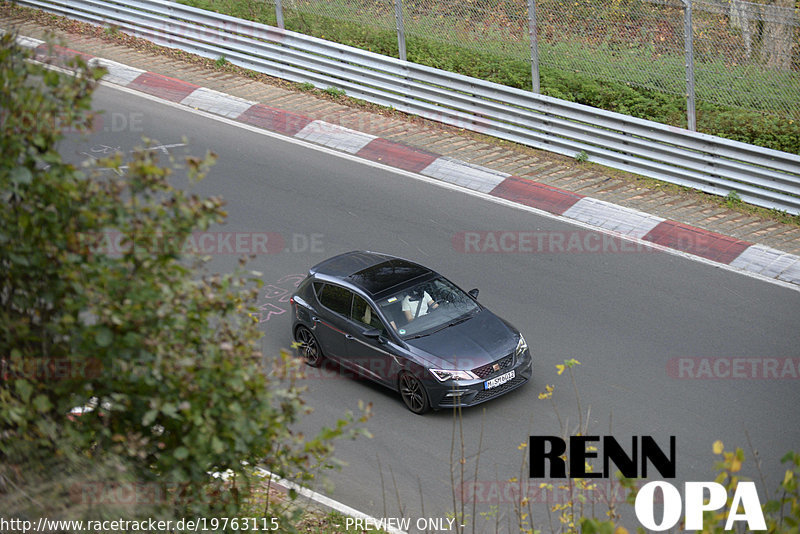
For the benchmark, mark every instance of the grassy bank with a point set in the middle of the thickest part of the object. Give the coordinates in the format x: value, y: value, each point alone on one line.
x: 567, y: 82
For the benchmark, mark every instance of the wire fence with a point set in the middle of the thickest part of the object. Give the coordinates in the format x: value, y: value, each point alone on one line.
x: 725, y: 52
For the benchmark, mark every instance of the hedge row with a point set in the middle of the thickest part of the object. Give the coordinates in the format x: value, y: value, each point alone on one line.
x: 733, y: 123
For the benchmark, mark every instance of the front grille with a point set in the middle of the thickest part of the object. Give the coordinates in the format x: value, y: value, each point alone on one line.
x: 488, y: 369
x: 487, y: 394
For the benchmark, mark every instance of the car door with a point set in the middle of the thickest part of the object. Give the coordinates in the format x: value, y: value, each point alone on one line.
x: 371, y: 355
x: 333, y: 321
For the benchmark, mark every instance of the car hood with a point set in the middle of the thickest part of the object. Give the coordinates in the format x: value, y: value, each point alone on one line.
x: 477, y: 341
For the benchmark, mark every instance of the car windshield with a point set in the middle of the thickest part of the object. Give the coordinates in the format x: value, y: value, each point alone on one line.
x: 427, y: 307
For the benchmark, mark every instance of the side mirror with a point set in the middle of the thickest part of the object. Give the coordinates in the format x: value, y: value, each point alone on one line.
x: 474, y: 293
x: 372, y: 333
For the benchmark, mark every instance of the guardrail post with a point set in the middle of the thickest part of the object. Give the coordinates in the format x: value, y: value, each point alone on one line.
x: 691, y: 116
x: 534, y: 38
x: 279, y: 13
x: 401, y: 29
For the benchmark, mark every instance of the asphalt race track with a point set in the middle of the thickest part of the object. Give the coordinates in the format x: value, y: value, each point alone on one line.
x: 646, y: 326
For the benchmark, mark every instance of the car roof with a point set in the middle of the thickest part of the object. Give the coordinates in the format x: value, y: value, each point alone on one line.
x: 372, y: 272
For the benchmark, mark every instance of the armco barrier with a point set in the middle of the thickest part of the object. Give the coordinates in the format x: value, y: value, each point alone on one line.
x: 760, y: 176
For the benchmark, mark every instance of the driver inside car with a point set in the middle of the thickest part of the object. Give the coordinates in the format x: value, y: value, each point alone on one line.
x: 415, y: 305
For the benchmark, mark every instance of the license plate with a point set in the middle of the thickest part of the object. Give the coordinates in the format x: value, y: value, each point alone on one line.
x: 499, y: 380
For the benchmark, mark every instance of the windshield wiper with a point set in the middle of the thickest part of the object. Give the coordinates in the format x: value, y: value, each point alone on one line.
x: 434, y: 331
x: 460, y: 320
x: 453, y: 323
x: 421, y: 335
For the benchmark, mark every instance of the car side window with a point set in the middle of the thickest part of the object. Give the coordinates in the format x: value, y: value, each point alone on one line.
x: 364, y: 314
x: 336, y: 299
x: 318, y: 288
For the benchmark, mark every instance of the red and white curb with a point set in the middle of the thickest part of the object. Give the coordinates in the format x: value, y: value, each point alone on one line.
x: 618, y: 219
x: 663, y: 233
x: 334, y: 136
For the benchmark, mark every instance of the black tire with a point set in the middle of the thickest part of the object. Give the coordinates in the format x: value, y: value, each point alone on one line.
x: 309, y: 347
x: 413, y: 393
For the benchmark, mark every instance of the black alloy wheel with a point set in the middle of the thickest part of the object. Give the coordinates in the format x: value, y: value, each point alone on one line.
x: 414, y: 395
x: 309, y: 348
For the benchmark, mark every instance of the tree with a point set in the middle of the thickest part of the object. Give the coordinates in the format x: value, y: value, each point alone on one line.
x: 778, y: 37
x: 773, y: 22
x: 164, y: 354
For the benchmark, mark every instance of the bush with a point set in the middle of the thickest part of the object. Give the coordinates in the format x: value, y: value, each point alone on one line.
x: 164, y: 354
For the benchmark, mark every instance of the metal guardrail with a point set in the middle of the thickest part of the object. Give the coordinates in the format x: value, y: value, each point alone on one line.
x: 760, y: 176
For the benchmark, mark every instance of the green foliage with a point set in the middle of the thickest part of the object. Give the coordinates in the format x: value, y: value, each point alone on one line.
x: 165, y: 354
x: 595, y: 526
x: 247, y: 9
x: 750, y: 127
x: 511, y: 68
x: 582, y: 157
x: 613, y: 96
x: 782, y: 514
x: 221, y: 61
x: 335, y: 92
x: 733, y: 199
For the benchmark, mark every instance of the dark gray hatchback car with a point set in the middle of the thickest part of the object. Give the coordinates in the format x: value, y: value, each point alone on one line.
x: 409, y: 328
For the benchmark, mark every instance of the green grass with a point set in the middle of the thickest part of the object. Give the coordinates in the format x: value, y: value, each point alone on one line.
x: 652, y: 87
x: 582, y: 157
x: 335, y: 92
x: 733, y: 199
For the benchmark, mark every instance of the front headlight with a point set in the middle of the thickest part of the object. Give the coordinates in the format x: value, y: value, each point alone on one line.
x: 522, y: 346
x: 443, y: 375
